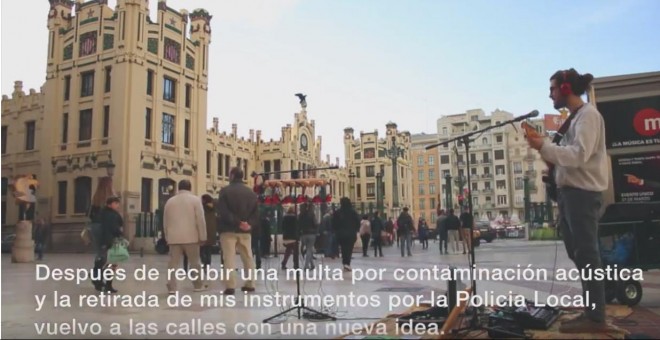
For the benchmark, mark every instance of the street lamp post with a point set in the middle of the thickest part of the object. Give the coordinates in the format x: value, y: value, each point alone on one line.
x: 394, y: 153
x: 379, y: 193
x: 548, y: 209
x: 351, y: 178
x: 448, y: 192
x: 528, y: 217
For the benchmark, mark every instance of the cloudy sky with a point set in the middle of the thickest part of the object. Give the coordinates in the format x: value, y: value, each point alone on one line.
x: 363, y: 63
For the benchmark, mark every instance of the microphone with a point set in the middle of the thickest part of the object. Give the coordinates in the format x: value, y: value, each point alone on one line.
x: 527, y: 116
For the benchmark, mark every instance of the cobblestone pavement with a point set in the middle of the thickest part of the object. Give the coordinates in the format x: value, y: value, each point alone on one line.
x: 21, y: 293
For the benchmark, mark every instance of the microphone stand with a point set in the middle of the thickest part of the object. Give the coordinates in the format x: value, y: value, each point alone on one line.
x: 465, y: 139
x: 296, y: 262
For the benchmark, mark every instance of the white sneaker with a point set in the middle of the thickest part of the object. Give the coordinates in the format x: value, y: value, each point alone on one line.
x: 347, y: 268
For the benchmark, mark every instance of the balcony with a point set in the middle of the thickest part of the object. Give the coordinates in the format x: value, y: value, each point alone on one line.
x: 486, y: 161
x: 488, y: 175
x: 460, y: 163
x: 529, y: 157
x: 531, y: 173
x: 487, y: 191
x: 488, y: 206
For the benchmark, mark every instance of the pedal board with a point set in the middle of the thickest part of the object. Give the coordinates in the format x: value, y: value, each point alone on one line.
x: 433, y: 315
x: 500, y: 332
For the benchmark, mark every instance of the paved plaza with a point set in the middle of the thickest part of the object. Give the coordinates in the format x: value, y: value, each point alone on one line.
x: 20, y: 319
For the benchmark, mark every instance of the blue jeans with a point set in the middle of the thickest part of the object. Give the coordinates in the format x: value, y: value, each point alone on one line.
x: 308, y: 241
x: 39, y: 250
x: 406, y: 243
x: 331, y: 245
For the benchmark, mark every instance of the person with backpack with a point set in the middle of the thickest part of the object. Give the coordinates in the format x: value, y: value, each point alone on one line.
x: 365, y: 234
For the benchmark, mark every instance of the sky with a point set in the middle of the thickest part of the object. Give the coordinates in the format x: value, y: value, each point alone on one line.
x: 364, y: 63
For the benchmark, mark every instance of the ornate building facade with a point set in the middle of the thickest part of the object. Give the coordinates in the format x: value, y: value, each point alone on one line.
x: 127, y: 97
x: 379, y: 170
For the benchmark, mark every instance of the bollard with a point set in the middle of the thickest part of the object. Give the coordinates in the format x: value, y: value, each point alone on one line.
x: 23, y: 249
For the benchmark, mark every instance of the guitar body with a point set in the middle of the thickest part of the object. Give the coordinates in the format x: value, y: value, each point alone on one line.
x: 549, y: 179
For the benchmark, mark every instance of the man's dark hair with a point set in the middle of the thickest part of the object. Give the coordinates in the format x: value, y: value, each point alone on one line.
x: 206, y: 199
x: 451, y: 211
x: 579, y: 82
x: 184, y: 184
x: 112, y: 199
x: 405, y: 208
x: 236, y: 173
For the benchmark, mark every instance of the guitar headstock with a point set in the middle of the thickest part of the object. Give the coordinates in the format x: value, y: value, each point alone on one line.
x: 529, y: 129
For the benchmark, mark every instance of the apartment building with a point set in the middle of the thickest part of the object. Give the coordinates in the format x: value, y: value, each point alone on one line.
x: 426, y: 180
x: 499, y: 160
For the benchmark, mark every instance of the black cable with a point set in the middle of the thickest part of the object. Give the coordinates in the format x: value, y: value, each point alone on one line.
x: 554, y: 268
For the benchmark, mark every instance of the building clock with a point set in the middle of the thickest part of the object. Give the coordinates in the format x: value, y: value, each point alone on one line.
x: 303, y: 142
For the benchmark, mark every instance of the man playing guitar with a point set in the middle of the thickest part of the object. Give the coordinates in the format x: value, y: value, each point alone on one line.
x: 581, y: 175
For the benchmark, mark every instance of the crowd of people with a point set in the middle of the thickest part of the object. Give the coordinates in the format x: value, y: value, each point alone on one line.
x: 193, y: 226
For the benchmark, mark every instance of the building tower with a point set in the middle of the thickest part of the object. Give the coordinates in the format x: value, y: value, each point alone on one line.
x: 125, y: 96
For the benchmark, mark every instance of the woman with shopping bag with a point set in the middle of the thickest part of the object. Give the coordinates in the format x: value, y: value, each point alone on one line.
x: 112, y: 240
x: 93, y: 232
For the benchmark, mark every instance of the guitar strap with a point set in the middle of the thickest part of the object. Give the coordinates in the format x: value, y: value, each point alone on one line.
x: 564, y: 127
x: 549, y: 178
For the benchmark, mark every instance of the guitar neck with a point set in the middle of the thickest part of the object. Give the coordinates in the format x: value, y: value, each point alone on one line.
x: 531, y: 131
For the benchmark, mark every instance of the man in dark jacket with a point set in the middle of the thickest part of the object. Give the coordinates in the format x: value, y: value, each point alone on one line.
x: 441, y: 225
x: 111, y: 227
x: 377, y: 229
x: 238, y: 210
x: 308, y: 230
x: 406, y: 228
x: 39, y: 237
x: 453, y: 225
x: 328, y: 235
x: 346, y: 223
